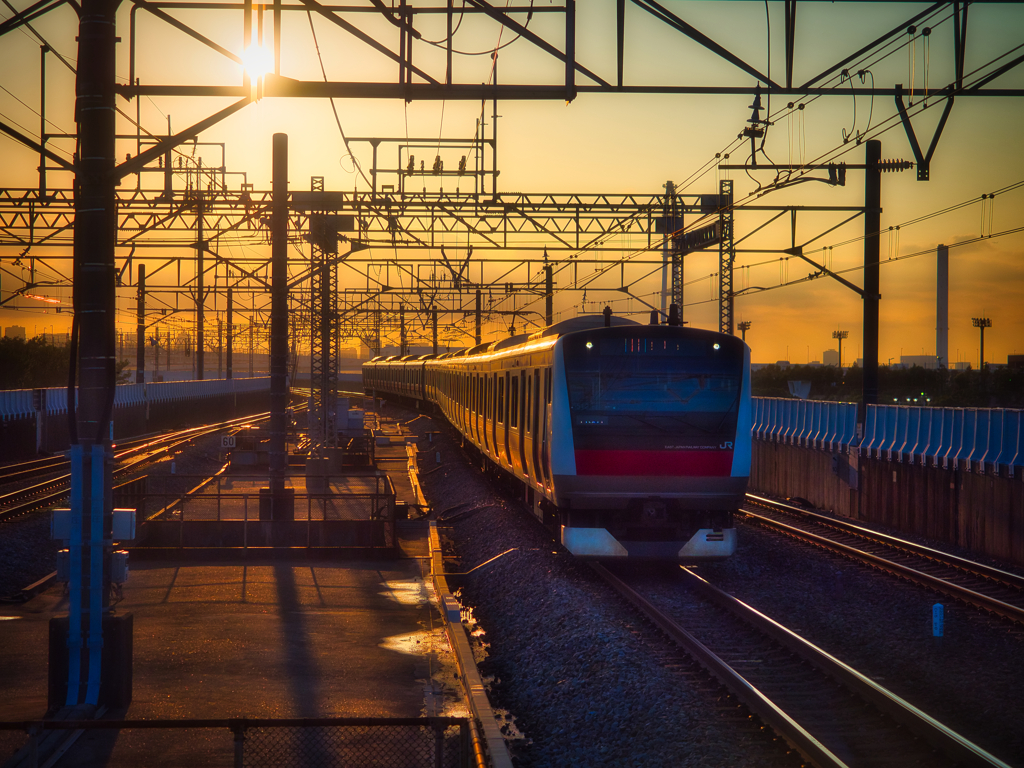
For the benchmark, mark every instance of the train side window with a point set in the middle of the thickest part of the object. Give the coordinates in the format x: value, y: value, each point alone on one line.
x: 501, y: 399
x: 527, y: 400
x: 536, y: 399
x: 513, y: 404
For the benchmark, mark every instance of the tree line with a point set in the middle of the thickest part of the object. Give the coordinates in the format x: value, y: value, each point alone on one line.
x: 989, y: 388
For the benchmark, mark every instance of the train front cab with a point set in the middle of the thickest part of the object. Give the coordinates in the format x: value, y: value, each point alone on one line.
x: 650, y: 449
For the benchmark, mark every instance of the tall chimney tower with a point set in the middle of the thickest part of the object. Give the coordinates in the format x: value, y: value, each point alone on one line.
x: 942, y: 306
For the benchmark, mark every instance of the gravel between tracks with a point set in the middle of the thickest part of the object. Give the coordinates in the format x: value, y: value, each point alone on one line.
x: 565, y: 657
x: 585, y: 690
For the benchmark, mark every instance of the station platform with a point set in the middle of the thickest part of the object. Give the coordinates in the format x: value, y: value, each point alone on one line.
x: 262, y: 639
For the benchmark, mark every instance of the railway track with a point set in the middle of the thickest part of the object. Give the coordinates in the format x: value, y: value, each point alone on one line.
x: 129, y: 457
x: 831, y: 714
x: 993, y: 590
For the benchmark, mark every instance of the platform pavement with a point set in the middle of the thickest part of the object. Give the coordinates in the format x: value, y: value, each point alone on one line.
x: 274, y: 639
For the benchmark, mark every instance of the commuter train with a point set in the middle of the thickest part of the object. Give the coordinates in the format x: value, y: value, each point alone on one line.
x: 631, y: 440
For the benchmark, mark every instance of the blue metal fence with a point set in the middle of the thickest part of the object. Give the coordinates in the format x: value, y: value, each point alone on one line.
x: 969, y: 439
x: 806, y: 423
x: 20, y: 403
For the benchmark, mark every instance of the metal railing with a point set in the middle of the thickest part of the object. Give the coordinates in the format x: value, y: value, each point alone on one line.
x: 234, y: 502
x: 369, y: 742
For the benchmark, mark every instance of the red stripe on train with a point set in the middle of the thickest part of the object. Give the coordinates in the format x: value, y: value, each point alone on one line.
x: 655, y: 463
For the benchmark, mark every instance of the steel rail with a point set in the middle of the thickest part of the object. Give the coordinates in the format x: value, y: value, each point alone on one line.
x: 956, y: 591
x: 25, y: 469
x: 972, y: 567
x: 922, y: 724
x: 51, y: 491
x: 784, y: 725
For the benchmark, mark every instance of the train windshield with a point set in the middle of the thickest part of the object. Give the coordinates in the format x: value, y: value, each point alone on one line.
x: 649, y: 392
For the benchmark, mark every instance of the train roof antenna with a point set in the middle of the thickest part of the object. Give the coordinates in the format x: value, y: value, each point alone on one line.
x: 607, y: 317
x: 673, y: 314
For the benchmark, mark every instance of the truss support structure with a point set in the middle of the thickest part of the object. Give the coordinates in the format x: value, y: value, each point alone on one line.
x: 726, y: 257
x: 323, y: 359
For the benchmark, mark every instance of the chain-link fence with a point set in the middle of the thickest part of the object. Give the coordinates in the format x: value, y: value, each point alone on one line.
x: 229, y: 511
x: 429, y: 742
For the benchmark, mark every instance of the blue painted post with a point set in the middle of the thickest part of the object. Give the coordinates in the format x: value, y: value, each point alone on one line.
x: 938, y: 620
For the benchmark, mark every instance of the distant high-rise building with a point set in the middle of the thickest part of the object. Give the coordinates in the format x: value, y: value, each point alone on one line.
x: 830, y: 357
x: 14, y: 332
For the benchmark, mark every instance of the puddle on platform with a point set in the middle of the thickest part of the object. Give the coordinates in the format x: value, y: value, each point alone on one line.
x: 411, y: 592
x: 415, y: 643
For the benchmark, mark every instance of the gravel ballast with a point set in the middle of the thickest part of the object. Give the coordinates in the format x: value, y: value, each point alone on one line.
x: 567, y: 662
x: 586, y: 683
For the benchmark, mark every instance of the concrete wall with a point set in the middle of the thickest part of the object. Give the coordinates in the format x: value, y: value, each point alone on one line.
x: 981, y: 511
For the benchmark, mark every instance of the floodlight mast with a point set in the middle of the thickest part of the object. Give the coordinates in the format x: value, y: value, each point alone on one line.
x: 981, y: 323
x: 840, y: 335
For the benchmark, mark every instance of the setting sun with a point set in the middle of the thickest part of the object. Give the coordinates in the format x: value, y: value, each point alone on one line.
x: 257, y: 61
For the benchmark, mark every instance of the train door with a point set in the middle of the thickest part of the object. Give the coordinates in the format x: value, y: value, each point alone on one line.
x: 545, y: 430
x: 493, y: 413
x: 513, y: 421
x: 487, y: 412
x: 471, y: 406
x: 460, y: 400
x: 503, y: 390
x: 535, y: 432
x: 478, y: 401
x: 524, y: 420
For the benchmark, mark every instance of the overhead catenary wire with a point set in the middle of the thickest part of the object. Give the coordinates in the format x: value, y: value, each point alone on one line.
x: 334, y: 109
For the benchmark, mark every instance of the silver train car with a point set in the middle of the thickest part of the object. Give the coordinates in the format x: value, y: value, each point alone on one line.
x: 630, y: 440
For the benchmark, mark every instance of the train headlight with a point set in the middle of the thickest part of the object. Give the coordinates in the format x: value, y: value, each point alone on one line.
x: 590, y: 345
x: 717, y: 345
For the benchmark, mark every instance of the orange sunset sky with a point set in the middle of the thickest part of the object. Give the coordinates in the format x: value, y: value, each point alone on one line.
x: 624, y: 143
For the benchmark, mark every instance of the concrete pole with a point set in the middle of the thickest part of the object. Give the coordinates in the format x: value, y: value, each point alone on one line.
x: 279, y: 316
x: 200, y: 290
x: 872, y: 225
x: 942, y: 307
x: 549, y: 295
x: 228, y: 340
x: 477, y: 336
x: 95, y: 308
x: 140, y: 329
x: 433, y: 322
x: 401, y: 332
